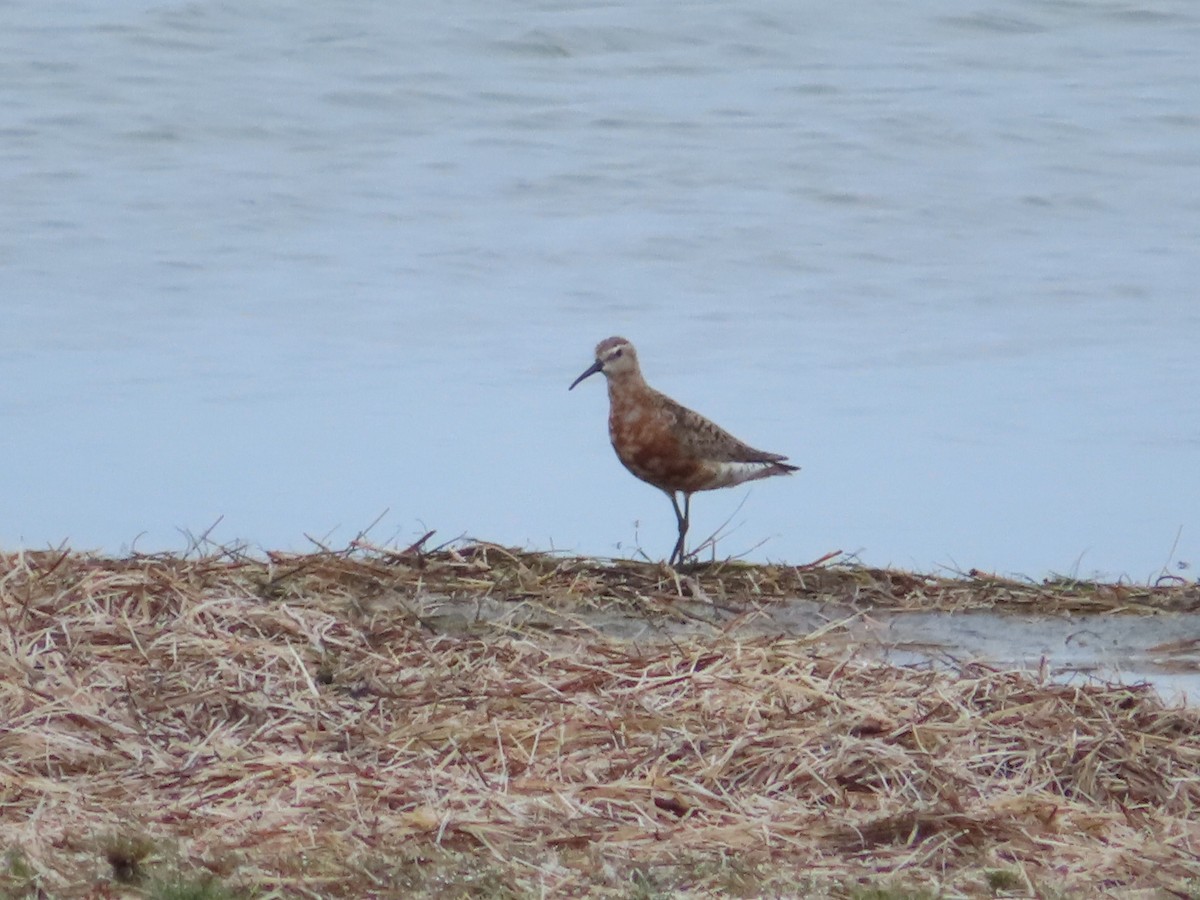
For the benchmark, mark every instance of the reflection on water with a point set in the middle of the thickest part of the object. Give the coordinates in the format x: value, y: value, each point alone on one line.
x: 294, y: 271
x: 1162, y: 650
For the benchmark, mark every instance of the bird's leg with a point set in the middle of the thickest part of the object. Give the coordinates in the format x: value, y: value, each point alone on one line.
x: 681, y: 521
x: 683, y: 527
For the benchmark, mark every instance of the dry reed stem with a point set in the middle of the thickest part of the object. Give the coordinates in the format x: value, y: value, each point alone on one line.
x: 301, y: 725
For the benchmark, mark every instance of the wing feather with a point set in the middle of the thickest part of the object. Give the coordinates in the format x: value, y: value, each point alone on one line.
x: 708, y: 440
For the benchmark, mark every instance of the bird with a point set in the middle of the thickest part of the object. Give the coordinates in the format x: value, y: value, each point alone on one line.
x: 667, y: 445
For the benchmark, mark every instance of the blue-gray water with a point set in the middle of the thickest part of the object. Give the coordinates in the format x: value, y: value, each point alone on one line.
x: 296, y: 264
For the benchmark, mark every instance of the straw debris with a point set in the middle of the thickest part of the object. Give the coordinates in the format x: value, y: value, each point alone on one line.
x: 477, y: 722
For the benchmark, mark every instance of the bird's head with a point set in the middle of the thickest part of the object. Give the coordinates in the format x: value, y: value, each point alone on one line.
x: 615, y: 356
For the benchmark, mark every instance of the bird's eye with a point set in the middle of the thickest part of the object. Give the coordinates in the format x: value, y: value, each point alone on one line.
x: 617, y: 354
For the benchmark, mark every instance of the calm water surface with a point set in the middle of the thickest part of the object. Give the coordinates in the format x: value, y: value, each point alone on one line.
x: 298, y: 266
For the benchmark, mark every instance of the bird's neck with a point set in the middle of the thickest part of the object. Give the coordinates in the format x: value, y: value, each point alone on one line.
x: 626, y: 384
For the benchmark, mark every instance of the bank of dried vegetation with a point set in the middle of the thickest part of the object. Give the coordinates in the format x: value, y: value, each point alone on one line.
x: 467, y: 722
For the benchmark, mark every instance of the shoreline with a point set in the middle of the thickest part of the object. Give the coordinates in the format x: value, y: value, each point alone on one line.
x: 410, y: 722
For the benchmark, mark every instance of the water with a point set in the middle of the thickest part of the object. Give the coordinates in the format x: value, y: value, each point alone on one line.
x: 290, y: 268
x: 1068, y: 648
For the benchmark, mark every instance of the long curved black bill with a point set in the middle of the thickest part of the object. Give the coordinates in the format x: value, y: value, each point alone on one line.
x: 592, y: 370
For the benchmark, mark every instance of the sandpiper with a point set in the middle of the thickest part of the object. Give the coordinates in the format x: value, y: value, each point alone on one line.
x: 668, y: 445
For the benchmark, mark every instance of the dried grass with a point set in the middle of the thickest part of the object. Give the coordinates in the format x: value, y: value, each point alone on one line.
x: 311, y: 725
